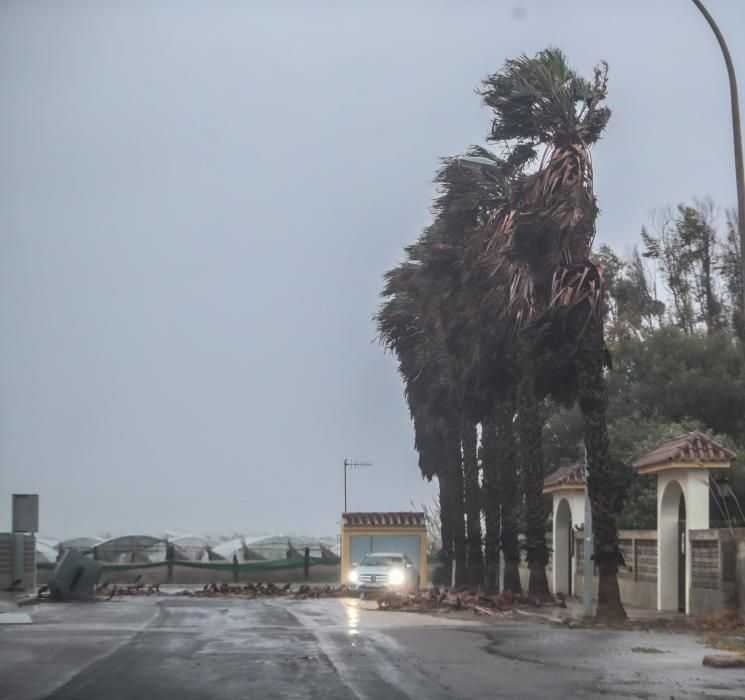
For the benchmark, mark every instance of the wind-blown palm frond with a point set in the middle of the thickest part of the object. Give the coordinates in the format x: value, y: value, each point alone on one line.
x: 541, y: 100
x: 537, y: 102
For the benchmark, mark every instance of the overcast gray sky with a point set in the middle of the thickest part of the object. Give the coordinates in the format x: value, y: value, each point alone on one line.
x: 197, y: 203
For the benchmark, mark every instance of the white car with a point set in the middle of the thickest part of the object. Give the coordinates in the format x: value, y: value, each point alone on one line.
x: 390, y: 571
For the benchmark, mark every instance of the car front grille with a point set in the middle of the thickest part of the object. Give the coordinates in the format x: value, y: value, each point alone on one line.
x: 373, y: 578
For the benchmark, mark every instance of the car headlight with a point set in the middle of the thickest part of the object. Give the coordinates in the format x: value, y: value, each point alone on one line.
x: 396, y: 577
x: 353, y: 577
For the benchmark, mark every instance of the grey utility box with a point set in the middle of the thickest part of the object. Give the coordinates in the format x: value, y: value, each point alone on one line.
x: 25, y: 512
x: 75, y: 577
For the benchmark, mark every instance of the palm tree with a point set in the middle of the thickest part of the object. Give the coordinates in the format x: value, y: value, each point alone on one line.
x: 464, y: 196
x: 502, y: 364
x: 450, y: 319
x: 436, y: 257
x: 556, y: 291
x: 480, y: 348
x: 479, y: 345
x: 514, y: 366
x: 400, y: 330
x: 494, y: 391
x: 406, y: 330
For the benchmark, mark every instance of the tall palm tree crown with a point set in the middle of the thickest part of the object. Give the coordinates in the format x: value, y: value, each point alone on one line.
x: 545, y: 109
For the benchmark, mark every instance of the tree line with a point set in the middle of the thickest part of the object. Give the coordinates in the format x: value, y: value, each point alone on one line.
x: 686, y: 274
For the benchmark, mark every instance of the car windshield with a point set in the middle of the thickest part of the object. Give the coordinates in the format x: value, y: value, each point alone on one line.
x: 378, y: 560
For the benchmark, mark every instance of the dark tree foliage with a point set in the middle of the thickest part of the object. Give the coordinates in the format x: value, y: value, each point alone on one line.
x: 699, y: 267
x: 668, y: 378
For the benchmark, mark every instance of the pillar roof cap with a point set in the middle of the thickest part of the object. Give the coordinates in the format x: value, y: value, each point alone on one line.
x: 384, y: 519
x: 569, y: 478
x: 693, y: 450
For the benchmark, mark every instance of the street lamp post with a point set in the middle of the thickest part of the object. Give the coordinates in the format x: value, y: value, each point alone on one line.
x: 736, y: 135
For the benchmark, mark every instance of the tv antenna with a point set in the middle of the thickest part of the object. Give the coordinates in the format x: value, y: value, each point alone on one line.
x: 352, y: 464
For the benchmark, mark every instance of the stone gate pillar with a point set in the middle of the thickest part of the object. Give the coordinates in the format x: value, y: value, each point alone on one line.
x: 567, y: 487
x: 681, y: 466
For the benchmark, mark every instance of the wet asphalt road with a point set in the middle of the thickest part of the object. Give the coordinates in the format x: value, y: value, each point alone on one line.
x: 190, y: 648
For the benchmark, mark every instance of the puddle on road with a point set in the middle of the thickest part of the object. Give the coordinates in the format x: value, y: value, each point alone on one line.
x: 353, y: 617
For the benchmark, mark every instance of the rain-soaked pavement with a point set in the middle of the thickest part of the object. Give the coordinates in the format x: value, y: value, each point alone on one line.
x: 190, y: 648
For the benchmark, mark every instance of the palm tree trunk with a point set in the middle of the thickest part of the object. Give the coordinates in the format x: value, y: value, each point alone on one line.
x: 593, y: 401
x: 530, y: 426
x: 456, y: 504
x: 446, y: 531
x: 472, y: 491
x: 492, y: 506
x: 507, y: 478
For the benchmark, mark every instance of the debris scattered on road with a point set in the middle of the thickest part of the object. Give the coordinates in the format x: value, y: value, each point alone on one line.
x: 725, y: 621
x: 435, y: 599
x: 236, y: 590
x: 136, y: 588
x: 108, y: 591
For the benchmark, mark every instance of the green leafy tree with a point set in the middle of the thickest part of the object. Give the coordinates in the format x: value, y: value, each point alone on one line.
x: 662, y: 385
x: 631, y: 299
x: 689, y: 253
x: 682, y: 376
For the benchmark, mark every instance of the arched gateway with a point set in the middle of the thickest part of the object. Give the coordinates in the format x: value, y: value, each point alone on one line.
x: 566, y: 485
x: 682, y: 468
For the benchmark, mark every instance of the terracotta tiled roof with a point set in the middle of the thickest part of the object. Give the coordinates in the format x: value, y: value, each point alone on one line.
x: 690, y: 448
x: 572, y: 475
x: 406, y: 519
